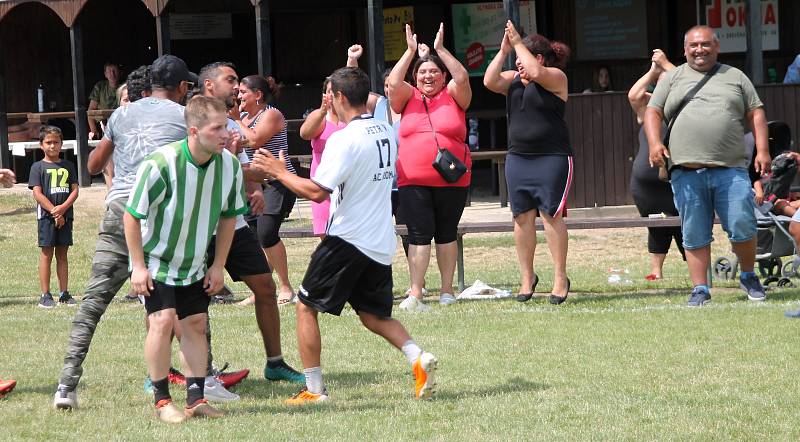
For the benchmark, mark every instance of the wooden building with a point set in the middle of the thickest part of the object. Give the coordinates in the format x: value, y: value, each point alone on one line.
x: 63, y: 44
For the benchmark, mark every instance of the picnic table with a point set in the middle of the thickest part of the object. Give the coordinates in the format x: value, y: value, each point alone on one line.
x: 21, y: 148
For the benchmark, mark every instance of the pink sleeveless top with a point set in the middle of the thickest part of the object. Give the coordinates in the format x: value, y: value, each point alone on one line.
x: 320, y: 211
x: 417, y: 147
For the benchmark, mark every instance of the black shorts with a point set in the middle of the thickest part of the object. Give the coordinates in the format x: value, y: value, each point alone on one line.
x: 431, y: 213
x: 339, y: 273
x: 538, y: 182
x: 50, y: 236
x: 186, y: 300
x: 245, y: 257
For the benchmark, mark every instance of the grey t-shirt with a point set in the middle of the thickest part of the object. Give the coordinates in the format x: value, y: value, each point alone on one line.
x: 710, y: 129
x: 137, y: 130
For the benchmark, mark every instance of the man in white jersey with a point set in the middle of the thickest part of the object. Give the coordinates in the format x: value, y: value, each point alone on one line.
x: 246, y: 260
x: 353, y: 263
x: 183, y: 191
x: 133, y: 132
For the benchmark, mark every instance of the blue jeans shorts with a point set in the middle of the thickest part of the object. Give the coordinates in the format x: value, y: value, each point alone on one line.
x: 724, y: 190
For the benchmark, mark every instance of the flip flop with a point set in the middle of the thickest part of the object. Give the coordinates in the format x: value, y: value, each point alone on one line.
x: 290, y: 300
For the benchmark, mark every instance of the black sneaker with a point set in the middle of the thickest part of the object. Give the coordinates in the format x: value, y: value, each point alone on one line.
x: 66, y: 299
x: 699, y: 297
x: 752, y: 286
x: 47, y: 301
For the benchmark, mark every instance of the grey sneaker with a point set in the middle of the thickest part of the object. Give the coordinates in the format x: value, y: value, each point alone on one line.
x: 752, y: 286
x: 699, y: 297
x: 47, y: 301
x: 65, y: 399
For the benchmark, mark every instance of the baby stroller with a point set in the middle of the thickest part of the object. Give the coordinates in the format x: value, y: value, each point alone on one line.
x: 773, y: 239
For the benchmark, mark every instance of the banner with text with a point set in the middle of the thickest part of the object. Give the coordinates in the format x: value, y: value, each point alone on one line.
x: 478, y: 30
x: 394, y: 33
x: 728, y: 20
x: 610, y: 29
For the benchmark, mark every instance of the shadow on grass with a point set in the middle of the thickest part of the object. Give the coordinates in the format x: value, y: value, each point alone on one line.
x: 18, y: 211
x: 17, y: 301
x: 511, y: 385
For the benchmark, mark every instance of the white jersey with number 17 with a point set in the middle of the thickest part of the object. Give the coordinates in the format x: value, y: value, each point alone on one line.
x: 358, y: 166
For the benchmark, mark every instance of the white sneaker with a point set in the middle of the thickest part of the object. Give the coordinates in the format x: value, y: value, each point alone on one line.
x: 446, y: 299
x: 424, y: 292
x: 412, y: 304
x: 214, y: 391
x: 65, y: 399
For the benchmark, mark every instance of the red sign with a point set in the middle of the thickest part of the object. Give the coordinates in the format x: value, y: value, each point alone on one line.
x: 476, y: 54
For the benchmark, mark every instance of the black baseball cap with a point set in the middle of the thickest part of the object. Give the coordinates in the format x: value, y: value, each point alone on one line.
x: 169, y: 70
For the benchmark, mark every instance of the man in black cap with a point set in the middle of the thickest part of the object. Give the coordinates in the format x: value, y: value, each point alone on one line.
x: 133, y: 132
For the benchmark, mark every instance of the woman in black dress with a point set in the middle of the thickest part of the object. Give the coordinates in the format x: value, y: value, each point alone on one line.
x: 651, y: 195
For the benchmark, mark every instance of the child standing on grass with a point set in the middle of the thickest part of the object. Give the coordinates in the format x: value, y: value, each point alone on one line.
x: 55, y: 188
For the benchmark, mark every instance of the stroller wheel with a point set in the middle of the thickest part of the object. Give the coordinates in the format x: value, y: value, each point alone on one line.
x: 725, y: 268
x: 769, y: 280
x: 789, y: 270
x: 769, y: 267
x: 785, y: 283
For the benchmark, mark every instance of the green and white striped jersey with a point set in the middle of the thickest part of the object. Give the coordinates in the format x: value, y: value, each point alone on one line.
x: 180, y: 203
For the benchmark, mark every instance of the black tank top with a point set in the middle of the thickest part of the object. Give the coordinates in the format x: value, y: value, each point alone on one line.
x: 536, y: 124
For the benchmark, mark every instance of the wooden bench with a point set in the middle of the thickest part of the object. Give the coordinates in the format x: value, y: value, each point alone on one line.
x: 508, y: 226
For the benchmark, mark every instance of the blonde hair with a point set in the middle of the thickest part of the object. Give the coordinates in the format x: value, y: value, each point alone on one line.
x: 199, y: 109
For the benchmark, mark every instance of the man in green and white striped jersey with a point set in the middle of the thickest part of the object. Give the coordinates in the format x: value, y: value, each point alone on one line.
x: 183, y: 192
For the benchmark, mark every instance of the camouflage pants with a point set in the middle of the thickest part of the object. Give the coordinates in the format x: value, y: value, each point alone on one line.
x: 109, y: 272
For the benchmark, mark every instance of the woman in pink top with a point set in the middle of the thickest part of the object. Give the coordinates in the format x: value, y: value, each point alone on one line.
x: 317, y: 128
x: 432, y: 116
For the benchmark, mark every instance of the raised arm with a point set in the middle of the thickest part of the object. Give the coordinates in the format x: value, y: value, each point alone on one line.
x: 353, y: 54
x: 550, y: 78
x: 400, y: 90
x: 314, y: 123
x: 267, y: 127
x: 458, y: 87
x: 638, y: 96
x: 495, y: 79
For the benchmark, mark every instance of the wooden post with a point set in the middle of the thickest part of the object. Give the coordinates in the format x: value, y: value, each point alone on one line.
x: 162, y: 33
x: 375, y: 45
x: 512, y: 13
x: 79, y: 95
x: 263, y: 39
x: 754, y: 60
x: 5, y: 153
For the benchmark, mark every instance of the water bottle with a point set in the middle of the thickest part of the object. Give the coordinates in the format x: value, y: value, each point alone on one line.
x: 472, y: 138
x: 40, y: 97
x: 619, y: 276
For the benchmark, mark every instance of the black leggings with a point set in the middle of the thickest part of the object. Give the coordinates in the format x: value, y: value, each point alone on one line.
x: 659, y: 239
x: 432, y: 213
x: 267, y: 228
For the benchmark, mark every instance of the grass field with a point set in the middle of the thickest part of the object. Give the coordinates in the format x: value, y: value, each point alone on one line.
x: 616, y: 362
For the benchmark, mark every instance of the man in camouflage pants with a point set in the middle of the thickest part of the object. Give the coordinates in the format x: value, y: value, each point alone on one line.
x: 133, y: 132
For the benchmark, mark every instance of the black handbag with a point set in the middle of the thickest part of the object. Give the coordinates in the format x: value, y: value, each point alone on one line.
x: 447, y: 164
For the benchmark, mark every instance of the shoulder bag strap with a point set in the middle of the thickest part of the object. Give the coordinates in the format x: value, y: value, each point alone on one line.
x: 425, y: 103
x: 689, y: 95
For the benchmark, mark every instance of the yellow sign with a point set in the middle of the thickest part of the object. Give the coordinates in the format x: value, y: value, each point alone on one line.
x: 394, y: 35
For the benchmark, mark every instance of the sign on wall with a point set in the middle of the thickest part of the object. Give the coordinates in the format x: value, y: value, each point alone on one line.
x: 394, y: 33
x: 728, y: 20
x: 610, y: 29
x: 478, y: 30
x: 200, y: 26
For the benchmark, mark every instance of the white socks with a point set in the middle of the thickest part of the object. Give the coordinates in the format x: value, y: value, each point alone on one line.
x: 411, y: 350
x: 314, y: 379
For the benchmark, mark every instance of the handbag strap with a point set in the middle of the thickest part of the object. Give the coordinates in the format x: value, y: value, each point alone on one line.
x: 689, y: 95
x: 438, y: 147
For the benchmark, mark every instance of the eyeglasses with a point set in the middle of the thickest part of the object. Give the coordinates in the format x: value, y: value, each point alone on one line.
x: 189, y: 84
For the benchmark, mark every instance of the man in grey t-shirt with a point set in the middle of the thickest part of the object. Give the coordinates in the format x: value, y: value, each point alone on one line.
x: 133, y: 132
x: 708, y: 155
